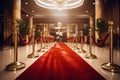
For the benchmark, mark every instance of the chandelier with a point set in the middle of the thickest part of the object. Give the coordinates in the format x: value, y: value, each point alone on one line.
x: 59, y: 4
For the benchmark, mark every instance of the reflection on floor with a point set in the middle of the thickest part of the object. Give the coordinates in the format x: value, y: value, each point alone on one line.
x: 7, y: 57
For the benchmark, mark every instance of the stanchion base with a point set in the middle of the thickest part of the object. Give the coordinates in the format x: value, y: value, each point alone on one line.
x: 90, y: 56
x: 46, y: 47
x: 41, y: 50
x: 79, y: 51
x: 83, y: 51
x: 15, y: 66
x: 111, y: 67
x: 43, y: 47
x: 77, y: 48
x: 33, y: 55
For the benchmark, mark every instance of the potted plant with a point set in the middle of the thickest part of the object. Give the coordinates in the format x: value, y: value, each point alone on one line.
x: 102, y: 28
x: 86, y: 32
x: 23, y: 29
x: 37, y: 32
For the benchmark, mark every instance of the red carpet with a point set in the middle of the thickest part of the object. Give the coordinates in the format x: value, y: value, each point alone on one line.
x: 60, y: 63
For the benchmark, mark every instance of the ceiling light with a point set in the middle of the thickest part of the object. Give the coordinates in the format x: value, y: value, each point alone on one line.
x: 33, y: 10
x: 26, y: 3
x: 87, y: 11
x: 27, y: 15
x: 59, y: 4
x: 94, y: 3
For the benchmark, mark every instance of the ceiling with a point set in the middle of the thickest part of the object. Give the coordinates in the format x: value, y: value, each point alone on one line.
x: 47, y: 15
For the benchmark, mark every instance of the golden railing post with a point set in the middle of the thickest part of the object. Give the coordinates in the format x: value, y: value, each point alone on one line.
x: 90, y: 55
x: 44, y: 43
x: 110, y: 66
x: 81, y: 43
x: 72, y: 42
x: 75, y: 47
x: 77, y: 43
x: 48, y: 42
x: 15, y: 65
x: 41, y: 43
x: 47, y: 45
x: 33, y: 54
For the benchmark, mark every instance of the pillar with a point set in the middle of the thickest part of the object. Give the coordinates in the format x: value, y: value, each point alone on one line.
x: 31, y: 24
x: 91, y: 22
x: 99, y: 9
x: 16, y: 12
x: 68, y: 30
x: 99, y: 13
x: 76, y: 29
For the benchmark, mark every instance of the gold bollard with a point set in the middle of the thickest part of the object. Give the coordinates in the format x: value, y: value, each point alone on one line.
x: 41, y: 43
x: 110, y: 66
x: 33, y: 55
x: 75, y: 42
x: 90, y: 55
x: 44, y: 42
x: 81, y: 44
x: 72, y: 42
x: 15, y: 65
x: 48, y: 41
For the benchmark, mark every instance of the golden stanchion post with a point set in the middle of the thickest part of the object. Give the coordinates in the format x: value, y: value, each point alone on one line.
x: 46, y: 46
x: 48, y: 39
x: 72, y: 42
x: 15, y: 65
x: 111, y: 66
x: 33, y: 54
x: 90, y: 55
x: 44, y: 42
x: 41, y: 43
x: 77, y: 44
x: 75, y: 47
x: 81, y: 44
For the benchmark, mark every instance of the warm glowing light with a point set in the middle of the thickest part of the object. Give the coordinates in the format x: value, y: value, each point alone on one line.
x: 59, y: 4
x: 59, y: 24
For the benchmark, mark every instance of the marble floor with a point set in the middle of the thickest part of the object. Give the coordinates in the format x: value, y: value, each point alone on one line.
x: 7, y: 57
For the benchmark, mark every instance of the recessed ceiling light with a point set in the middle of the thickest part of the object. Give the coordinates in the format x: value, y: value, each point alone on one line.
x: 93, y: 3
x: 27, y: 15
x: 33, y: 10
x: 87, y: 11
x: 26, y: 3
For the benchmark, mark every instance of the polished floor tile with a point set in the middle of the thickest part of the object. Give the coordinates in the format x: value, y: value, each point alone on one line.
x: 7, y: 57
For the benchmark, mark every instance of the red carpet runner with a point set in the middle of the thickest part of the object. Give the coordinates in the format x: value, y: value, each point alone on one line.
x: 60, y: 63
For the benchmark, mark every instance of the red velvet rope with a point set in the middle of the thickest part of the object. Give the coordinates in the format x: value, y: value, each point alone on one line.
x: 47, y: 39
x: 85, y: 41
x: 38, y: 40
x: 101, y: 43
x: 51, y: 39
x: 22, y: 41
x: 44, y: 39
x: 78, y: 39
x: 4, y: 42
